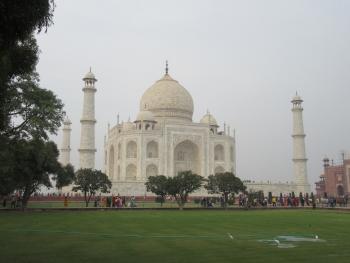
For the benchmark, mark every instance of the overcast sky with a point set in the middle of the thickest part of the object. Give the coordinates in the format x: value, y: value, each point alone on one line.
x: 242, y: 60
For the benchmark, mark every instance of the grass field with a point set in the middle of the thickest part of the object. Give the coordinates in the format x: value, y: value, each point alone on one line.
x: 175, y: 236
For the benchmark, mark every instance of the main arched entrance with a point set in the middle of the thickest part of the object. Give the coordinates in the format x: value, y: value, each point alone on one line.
x: 186, y: 157
x: 340, y: 190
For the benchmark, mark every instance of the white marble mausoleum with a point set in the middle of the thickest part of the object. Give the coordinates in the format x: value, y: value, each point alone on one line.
x: 164, y: 139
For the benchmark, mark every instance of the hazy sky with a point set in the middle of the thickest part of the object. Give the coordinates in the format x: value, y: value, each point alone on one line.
x: 242, y: 60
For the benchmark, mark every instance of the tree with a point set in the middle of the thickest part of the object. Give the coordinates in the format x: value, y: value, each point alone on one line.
x: 7, y: 158
x: 181, y: 185
x: 27, y: 111
x: 225, y: 184
x: 91, y: 181
x: 33, y: 111
x: 65, y: 176
x: 19, y: 51
x: 33, y: 163
x: 157, y: 185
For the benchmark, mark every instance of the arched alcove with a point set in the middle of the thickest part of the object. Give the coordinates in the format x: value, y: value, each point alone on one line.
x: 186, y: 157
x: 219, y: 154
x: 131, y: 150
x: 130, y: 172
x: 152, y: 149
x: 340, y: 190
x: 151, y: 170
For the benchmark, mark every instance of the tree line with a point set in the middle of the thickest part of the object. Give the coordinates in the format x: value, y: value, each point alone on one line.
x: 186, y: 182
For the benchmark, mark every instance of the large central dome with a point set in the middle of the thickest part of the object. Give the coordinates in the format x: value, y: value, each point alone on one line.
x: 168, y: 99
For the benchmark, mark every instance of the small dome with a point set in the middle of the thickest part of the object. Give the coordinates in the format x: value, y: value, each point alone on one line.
x: 127, y: 126
x: 167, y: 98
x: 89, y: 75
x: 145, y: 116
x: 67, y: 121
x: 296, y: 98
x: 209, y: 119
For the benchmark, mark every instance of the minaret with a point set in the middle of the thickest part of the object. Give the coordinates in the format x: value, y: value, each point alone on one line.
x: 299, y: 154
x: 64, y: 158
x: 87, y: 140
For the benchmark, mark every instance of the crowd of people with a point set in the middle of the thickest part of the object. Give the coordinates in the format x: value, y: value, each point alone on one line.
x: 286, y: 200
x: 114, y: 201
x: 15, y: 201
x: 256, y: 199
x: 290, y: 200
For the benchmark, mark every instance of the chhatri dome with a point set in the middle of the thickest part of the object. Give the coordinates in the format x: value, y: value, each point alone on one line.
x: 89, y: 76
x: 168, y: 99
x: 297, y: 98
x: 144, y: 115
x: 209, y: 119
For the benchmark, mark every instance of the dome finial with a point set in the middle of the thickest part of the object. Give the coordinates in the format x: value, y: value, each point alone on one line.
x: 166, y: 67
x: 90, y: 69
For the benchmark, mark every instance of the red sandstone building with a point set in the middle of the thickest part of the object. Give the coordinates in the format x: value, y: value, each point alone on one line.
x: 335, y: 180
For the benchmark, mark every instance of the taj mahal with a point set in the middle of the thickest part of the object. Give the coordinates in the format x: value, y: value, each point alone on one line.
x: 164, y: 139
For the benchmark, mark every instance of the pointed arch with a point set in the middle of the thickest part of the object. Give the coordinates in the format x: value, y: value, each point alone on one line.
x: 219, y: 154
x: 340, y: 190
x: 131, y: 150
x: 186, y: 157
x: 131, y: 171
x: 151, y: 170
x: 152, y: 149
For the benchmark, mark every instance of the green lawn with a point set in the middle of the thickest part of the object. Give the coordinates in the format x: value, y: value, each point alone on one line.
x: 174, y: 236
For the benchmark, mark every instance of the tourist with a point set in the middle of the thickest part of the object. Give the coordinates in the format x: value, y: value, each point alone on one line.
x: 65, y: 202
x: 133, y: 202
x: 289, y: 200
x: 346, y: 198
x: 113, y: 201
x: 222, y: 201
x: 265, y: 202
x: 274, y: 201
x: 4, y: 202
x: 307, y: 199
x: 108, y: 201
x: 119, y: 202
x: 13, y: 201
